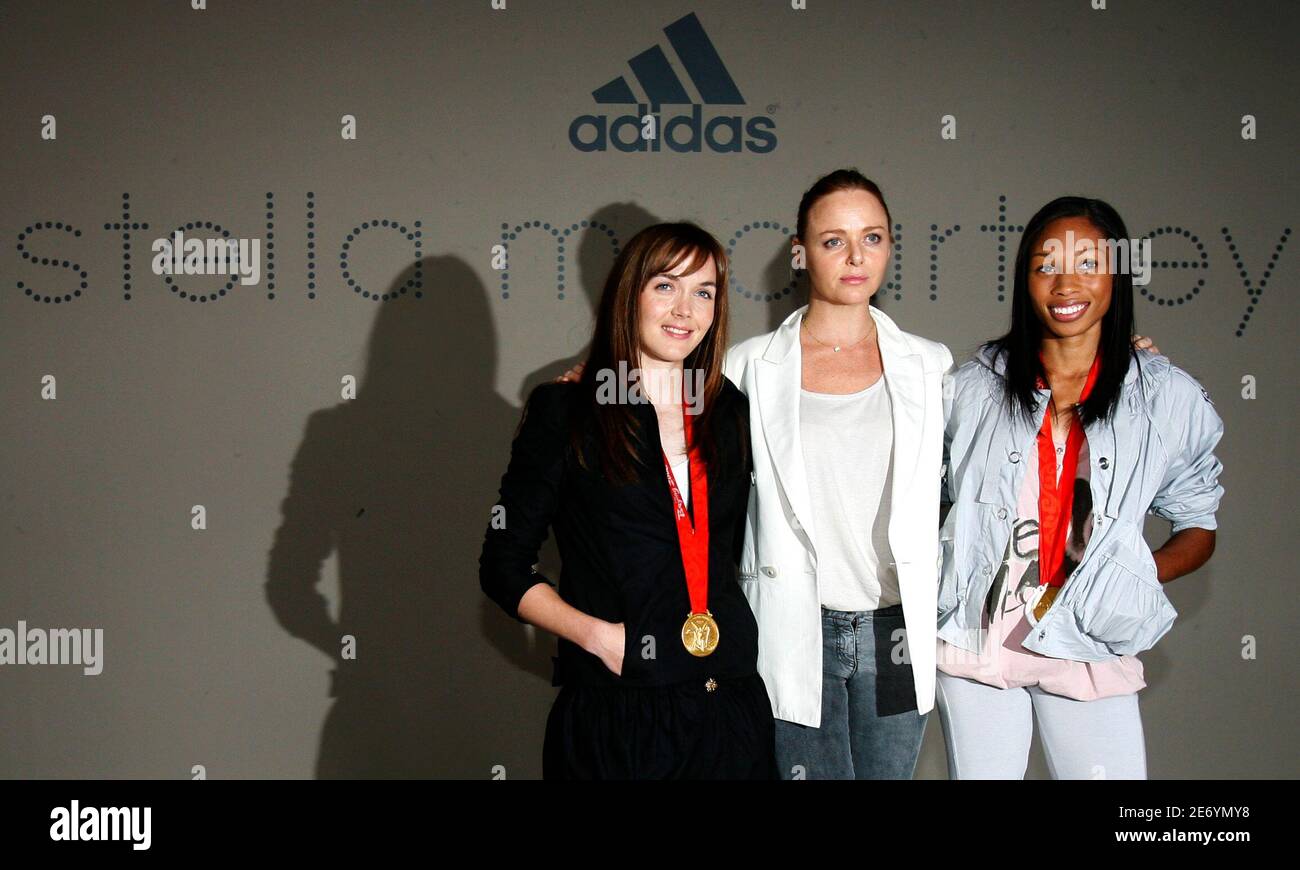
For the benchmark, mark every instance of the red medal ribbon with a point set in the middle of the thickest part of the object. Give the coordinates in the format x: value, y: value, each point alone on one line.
x: 1056, y: 498
x: 693, y: 540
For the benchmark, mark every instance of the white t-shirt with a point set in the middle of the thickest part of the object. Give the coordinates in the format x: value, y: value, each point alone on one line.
x: 848, y: 445
x: 682, y: 476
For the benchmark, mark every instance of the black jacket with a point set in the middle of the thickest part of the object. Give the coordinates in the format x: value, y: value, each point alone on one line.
x: 618, y: 544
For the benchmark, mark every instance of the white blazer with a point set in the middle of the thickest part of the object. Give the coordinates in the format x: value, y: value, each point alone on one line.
x: 779, y: 565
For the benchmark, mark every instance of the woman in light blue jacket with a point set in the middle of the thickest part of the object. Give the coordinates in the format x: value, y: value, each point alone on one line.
x: 1059, y: 439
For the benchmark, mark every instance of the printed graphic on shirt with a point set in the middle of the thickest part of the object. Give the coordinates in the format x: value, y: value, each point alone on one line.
x: 1018, y: 577
x: 1003, y: 660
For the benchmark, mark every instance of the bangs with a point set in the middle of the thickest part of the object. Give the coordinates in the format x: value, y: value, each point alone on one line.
x: 678, y: 251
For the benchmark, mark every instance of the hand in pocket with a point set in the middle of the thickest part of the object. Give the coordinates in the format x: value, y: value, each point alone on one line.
x: 608, y: 645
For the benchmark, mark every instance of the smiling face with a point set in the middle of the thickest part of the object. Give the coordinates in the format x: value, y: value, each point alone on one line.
x: 847, y: 246
x: 1069, y: 279
x: 675, y: 310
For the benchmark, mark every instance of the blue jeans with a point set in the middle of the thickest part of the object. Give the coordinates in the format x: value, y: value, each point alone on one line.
x: 869, y: 727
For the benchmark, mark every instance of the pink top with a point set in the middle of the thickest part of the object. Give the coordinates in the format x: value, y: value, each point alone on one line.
x: 1003, y: 662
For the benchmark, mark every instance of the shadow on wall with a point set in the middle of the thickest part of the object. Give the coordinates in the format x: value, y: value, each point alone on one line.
x: 596, y: 252
x: 399, y: 482
x: 777, y: 276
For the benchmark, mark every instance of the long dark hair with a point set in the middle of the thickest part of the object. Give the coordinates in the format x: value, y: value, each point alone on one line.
x: 657, y: 249
x: 1022, y: 342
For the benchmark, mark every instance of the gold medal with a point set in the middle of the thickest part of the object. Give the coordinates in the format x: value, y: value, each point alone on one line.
x: 1045, y: 599
x: 699, y: 631
x: 700, y: 634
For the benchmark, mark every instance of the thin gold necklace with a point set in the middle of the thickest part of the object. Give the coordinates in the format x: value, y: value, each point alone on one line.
x: 835, y: 347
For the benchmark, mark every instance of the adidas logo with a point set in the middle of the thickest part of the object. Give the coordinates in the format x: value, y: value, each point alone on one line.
x: 655, y: 75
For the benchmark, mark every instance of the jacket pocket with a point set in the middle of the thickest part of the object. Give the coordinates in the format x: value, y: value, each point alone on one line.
x: 630, y: 649
x: 748, y: 563
x: 947, y: 566
x: 1122, y: 604
x: 748, y: 571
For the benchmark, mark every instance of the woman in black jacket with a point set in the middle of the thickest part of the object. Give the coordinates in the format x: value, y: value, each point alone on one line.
x: 657, y: 645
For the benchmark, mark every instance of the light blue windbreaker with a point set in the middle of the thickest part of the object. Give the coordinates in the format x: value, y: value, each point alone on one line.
x: 1156, y: 454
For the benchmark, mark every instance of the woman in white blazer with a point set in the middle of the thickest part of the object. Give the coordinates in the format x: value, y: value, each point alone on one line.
x: 841, y: 550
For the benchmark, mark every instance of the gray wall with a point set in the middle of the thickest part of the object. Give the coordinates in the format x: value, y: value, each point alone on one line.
x: 366, y: 514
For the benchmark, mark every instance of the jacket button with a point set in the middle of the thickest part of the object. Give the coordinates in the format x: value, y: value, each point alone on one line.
x: 985, y: 570
x: 769, y: 570
x: 1104, y: 462
x: 1015, y: 455
x: 1002, y: 513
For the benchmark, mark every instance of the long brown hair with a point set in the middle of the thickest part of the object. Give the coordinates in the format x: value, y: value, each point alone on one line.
x: 656, y: 250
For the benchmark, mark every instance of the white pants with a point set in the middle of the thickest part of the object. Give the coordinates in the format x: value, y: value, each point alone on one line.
x: 988, y: 731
